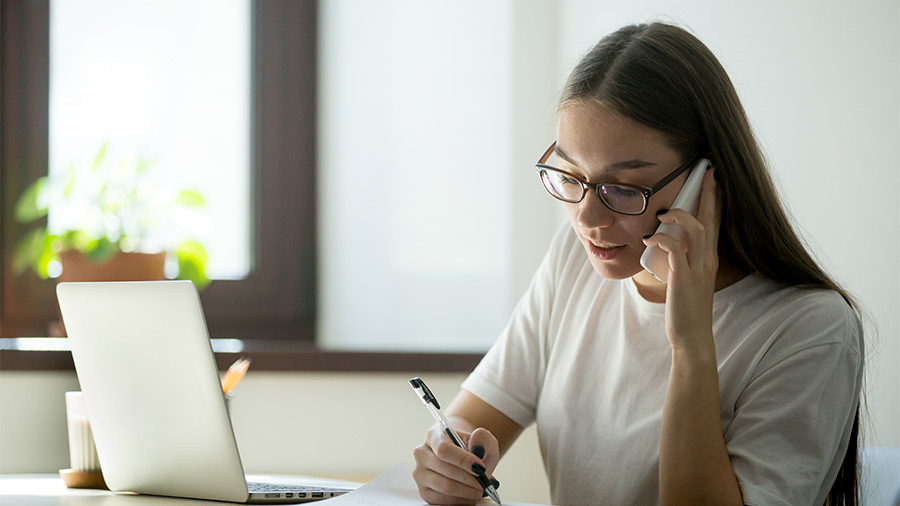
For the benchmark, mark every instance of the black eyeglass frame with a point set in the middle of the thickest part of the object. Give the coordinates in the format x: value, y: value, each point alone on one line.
x: 646, y: 191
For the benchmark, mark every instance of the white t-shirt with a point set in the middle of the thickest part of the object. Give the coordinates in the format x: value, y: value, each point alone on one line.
x: 588, y: 360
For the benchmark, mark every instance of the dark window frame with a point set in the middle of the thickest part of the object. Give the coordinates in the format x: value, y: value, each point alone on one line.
x: 274, y: 309
x: 277, y: 299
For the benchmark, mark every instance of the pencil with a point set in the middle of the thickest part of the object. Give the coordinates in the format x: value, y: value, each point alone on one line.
x: 234, y: 374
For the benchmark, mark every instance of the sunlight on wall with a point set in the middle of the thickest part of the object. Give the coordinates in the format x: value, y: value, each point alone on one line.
x: 415, y: 162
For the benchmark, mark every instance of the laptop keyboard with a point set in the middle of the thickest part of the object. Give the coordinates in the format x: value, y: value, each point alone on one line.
x: 272, y: 487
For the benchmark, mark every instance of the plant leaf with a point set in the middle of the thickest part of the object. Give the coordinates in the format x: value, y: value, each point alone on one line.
x: 190, y: 198
x: 29, y: 250
x: 77, y: 239
x: 192, y: 260
x: 27, y: 207
x: 70, y: 175
x: 99, y: 157
x: 101, y: 251
x: 47, y: 254
x: 142, y: 164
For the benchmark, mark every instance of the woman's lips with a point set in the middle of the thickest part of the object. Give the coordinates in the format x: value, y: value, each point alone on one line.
x: 604, y: 252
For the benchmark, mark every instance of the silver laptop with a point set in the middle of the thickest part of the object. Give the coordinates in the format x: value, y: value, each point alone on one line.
x: 154, y: 398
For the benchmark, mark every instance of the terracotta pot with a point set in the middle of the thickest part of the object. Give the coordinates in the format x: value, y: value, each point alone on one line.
x: 122, y: 267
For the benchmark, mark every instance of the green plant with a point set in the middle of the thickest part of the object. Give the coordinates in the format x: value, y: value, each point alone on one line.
x: 106, y: 208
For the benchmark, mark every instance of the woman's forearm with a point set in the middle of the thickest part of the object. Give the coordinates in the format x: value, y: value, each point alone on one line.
x: 694, y: 467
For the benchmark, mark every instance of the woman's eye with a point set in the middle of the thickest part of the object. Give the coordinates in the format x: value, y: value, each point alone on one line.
x: 621, y: 191
x: 568, y: 180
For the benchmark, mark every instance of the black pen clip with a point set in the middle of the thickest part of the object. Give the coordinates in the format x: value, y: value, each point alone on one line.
x: 428, y: 397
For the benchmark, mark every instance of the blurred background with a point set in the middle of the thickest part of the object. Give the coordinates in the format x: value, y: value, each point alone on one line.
x: 334, y: 147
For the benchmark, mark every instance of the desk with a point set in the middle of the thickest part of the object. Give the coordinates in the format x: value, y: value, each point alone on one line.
x: 49, y: 490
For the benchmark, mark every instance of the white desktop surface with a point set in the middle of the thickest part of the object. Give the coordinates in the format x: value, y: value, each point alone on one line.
x: 49, y: 490
x: 393, y: 487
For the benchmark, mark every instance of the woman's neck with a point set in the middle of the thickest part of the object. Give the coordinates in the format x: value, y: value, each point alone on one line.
x: 653, y: 290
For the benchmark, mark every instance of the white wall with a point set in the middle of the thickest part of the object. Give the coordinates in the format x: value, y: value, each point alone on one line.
x: 414, y: 129
x: 821, y: 84
x: 33, y: 420
x: 431, y: 218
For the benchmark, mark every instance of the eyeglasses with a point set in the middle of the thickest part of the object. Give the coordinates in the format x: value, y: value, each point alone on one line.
x: 619, y: 197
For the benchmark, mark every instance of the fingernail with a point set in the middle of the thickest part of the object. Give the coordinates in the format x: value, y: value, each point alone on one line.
x: 478, y: 450
x: 662, y: 211
x: 478, y: 468
x: 496, y: 483
x: 648, y: 236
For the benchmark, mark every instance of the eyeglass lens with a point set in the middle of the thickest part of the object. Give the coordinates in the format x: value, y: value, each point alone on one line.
x: 619, y: 198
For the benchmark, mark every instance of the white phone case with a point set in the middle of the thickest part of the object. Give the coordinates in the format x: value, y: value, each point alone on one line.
x: 654, y: 259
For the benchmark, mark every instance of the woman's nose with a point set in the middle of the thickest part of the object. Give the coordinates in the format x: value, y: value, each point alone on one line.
x: 593, y: 213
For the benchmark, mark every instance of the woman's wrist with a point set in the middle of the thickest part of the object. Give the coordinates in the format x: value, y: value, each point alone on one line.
x: 699, y: 350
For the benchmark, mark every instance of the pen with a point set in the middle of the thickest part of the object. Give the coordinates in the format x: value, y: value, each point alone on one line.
x: 234, y: 374
x: 435, y: 409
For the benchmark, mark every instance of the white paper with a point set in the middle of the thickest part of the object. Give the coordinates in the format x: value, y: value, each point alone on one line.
x: 394, y: 487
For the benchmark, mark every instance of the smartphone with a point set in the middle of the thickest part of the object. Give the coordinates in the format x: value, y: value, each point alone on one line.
x: 655, y: 260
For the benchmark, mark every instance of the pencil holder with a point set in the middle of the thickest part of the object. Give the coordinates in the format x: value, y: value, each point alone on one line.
x: 228, y: 398
x: 85, y: 464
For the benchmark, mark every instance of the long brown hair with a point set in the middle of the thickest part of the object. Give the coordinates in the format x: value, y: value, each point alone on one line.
x: 664, y: 77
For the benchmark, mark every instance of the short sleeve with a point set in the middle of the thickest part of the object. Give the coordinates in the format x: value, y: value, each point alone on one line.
x: 792, y: 422
x: 510, y: 375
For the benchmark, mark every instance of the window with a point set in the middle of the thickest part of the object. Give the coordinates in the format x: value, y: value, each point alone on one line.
x: 276, y: 298
x: 399, y: 220
x: 181, y: 102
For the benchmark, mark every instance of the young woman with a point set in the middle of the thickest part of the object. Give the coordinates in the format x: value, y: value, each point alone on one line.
x: 735, y: 382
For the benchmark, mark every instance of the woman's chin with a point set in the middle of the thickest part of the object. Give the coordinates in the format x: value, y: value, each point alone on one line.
x: 616, y: 269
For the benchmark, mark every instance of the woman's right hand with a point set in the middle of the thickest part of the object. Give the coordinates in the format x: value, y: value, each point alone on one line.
x: 444, y: 472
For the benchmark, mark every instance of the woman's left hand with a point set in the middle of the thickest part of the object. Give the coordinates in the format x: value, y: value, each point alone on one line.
x: 693, y: 265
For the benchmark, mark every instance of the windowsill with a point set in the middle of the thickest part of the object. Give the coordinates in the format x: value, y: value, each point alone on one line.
x: 52, y: 354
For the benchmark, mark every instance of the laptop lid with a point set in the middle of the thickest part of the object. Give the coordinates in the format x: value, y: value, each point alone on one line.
x: 149, y: 378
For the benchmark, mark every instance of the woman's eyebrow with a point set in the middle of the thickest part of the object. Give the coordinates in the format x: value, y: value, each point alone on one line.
x: 562, y: 154
x: 636, y: 163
